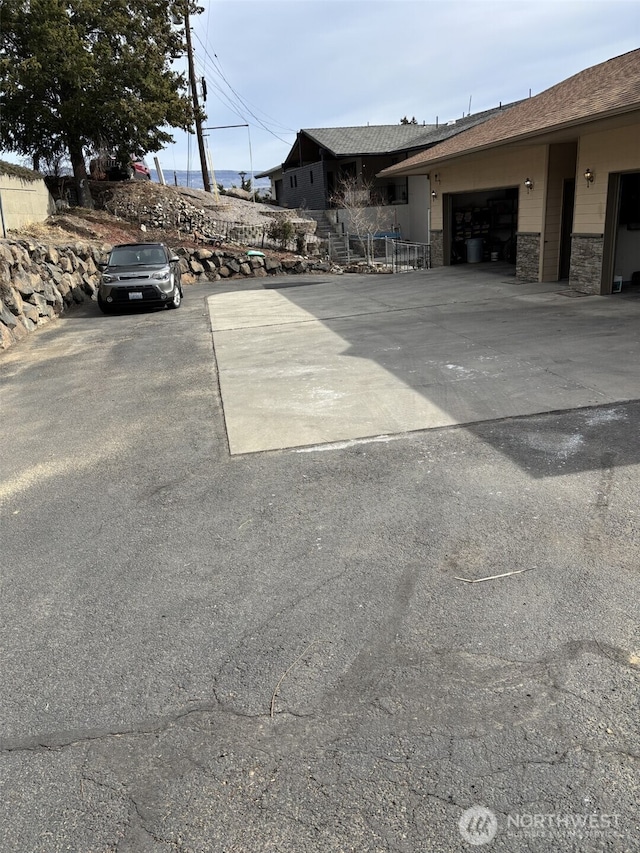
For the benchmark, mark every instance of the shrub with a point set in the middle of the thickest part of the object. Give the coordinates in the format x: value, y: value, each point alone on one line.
x: 281, y: 231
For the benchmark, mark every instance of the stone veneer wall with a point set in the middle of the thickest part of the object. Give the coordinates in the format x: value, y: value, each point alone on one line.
x: 586, y: 262
x: 39, y: 282
x: 528, y: 256
x: 437, y: 249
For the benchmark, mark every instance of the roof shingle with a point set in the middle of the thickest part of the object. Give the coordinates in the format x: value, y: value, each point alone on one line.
x: 610, y: 88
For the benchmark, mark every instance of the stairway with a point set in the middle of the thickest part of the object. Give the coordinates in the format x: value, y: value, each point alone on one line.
x: 336, y: 241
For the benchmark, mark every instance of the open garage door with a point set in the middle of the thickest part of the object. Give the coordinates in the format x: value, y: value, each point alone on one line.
x: 482, y: 226
x: 621, y: 261
x: 626, y: 264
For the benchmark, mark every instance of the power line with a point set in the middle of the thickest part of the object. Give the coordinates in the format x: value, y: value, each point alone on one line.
x: 239, y: 102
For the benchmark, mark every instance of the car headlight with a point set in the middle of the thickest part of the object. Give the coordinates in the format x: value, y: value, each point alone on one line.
x: 163, y: 275
x: 107, y: 278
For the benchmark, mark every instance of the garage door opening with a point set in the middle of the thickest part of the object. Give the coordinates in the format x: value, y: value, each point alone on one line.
x: 621, y: 256
x: 483, y: 226
x: 626, y: 264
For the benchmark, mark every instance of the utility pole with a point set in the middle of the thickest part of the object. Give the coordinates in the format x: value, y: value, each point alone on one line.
x: 196, y: 108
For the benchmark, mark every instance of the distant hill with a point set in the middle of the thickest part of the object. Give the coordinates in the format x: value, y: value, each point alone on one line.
x: 193, y: 179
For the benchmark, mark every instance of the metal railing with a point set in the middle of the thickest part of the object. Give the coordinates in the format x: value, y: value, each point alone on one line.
x: 399, y: 255
x: 404, y: 256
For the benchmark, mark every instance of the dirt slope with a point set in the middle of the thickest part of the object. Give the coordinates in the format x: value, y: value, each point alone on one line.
x: 136, y: 210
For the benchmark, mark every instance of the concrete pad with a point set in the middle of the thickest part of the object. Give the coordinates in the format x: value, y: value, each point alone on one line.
x: 362, y: 356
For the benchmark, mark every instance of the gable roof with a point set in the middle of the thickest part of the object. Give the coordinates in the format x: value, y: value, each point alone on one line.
x: 604, y: 90
x: 268, y: 173
x: 383, y: 139
x: 372, y: 139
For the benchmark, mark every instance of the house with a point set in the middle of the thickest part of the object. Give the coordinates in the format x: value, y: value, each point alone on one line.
x: 552, y: 184
x: 275, y: 176
x: 321, y: 159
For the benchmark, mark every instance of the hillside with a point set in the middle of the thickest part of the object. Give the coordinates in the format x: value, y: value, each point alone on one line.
x: 180, y: 216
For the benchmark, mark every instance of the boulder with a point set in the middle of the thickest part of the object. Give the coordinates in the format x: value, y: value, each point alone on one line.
x: 40, y: 303
x: 6, y: 338
x: 23, y: 284
x: 65, y: 284
x: 30, y: 312
x: 203, y: 254
x: 6, y: 317
x: 10, y: 298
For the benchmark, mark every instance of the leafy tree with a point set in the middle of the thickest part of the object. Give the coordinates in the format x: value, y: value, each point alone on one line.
x: 78, y: 76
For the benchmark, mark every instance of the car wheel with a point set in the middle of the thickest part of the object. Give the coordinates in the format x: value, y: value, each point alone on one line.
x: 103, y: 306
x: 176, y: 299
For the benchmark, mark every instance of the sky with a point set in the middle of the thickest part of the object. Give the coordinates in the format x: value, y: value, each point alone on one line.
x: 283, y: 65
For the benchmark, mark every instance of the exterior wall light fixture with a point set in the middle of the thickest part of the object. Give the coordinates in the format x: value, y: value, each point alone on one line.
x: 589, y: 176
x: 434, y: 194
x: 528, y: 184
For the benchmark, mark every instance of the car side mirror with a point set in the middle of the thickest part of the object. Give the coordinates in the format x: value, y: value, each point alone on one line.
x: 175, y: 259
x: 102, y: 266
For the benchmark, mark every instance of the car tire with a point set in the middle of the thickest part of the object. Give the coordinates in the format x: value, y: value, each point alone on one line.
x: 103, y: 306
x: 176, y: 296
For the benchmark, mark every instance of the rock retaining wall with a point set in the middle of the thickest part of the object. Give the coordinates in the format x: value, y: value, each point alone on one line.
x: 38, y: 282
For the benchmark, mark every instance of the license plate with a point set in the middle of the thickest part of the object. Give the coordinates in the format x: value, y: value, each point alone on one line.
x: 135, y: 295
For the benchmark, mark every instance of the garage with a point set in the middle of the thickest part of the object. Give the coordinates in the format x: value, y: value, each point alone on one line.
x: 625, y: 190
x: 483, y: 226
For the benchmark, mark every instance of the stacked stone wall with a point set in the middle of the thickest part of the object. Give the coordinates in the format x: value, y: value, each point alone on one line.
x: 437, y: 248
x: 40, y: 282
x: 586, y: 262
x: 528, y: 256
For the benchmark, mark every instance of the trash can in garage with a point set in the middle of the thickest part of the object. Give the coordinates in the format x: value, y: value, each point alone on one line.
x: 474, y: 250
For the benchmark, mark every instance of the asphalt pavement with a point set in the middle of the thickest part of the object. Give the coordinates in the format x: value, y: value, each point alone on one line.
x: 402, y: 633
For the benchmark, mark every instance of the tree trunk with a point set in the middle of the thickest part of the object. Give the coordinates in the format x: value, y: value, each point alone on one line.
x: 80, y: 174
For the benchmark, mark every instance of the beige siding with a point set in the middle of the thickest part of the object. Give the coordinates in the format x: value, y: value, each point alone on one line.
x: 606, y: 151
x: 562, y: 165
x: 418, y: 209
x: 24, y: 201
x: 493, y: 170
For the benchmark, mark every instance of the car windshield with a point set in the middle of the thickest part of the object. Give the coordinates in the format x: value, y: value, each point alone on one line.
x: 129, y: 256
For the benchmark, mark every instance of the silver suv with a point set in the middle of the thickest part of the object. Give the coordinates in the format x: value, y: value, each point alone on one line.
x: 139, y: 273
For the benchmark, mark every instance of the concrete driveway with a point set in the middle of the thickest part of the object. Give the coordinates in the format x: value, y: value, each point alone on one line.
x: 342, y: 358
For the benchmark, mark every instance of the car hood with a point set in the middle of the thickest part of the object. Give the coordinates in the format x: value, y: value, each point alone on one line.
x: 135, y: 268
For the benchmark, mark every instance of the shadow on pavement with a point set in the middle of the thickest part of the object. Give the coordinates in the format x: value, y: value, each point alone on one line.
x: 482, y: 350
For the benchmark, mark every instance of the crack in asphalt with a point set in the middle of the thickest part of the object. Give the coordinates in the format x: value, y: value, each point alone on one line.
x: 569, y: 651
x: 61, y: 740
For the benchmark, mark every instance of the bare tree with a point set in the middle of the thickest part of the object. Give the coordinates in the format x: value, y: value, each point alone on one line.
x: 365, y: 216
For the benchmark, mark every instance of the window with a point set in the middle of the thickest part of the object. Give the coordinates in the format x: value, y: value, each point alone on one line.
x: 311, y: 177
